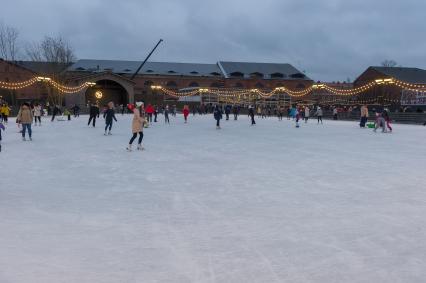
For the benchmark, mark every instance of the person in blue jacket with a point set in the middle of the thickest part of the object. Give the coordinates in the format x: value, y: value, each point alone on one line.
x: 293, y: 112
x: 217, y: 115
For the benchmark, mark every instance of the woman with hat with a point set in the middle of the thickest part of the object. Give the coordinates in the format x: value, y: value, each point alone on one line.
x: 137, y: 126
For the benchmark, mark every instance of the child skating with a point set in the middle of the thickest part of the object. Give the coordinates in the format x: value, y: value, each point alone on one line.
x: 109, y: 115
x: 137, y: 127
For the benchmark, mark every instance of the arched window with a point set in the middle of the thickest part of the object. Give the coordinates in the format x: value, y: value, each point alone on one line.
x: 150, y: 71
x: 297, y: 76
x: 148, y: 83
x: 215, y: 74
x: 239, y: 85
x: 300, y: 86
x: 194, y: 73
x: 194, y: 84
x: 171, y: 72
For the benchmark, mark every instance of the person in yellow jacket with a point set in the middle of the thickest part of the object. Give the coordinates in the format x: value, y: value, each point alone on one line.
x: 5, y: 111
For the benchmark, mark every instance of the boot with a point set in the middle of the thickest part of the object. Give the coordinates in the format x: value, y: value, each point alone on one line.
x: 140, y: 147
x: 109, y: 133
x: 129, y: 147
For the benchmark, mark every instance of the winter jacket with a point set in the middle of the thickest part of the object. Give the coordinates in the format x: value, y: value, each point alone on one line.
x: 364, y: 111
x: 5, y: 110
x: 319, y: 112
x: 137, y: 122
x: 37, y: 111
x: 306, y: 112
x: 149, y: 109
x: 217, y: 113
x: 109, y: 115
x: 94, y: 111
x: 25, y: 116
x: 185, y: 112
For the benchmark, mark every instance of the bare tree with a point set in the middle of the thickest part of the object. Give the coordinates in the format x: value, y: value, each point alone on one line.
x: 8, y: 42
x: 58, y: 54
x: 389, y: 63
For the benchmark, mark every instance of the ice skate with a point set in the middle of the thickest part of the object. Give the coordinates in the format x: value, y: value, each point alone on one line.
x: 140, y: 147
x: 129, y: 147
x: 109, y: 133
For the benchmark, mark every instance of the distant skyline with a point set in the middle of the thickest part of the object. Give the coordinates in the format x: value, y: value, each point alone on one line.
x: 330, y: 40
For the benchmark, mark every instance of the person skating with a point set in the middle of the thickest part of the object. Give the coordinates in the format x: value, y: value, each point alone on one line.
x: 235, y: 111
x: 155, y: 113
x: 55, y: 112
x: 297, y: 117
x: 4, y: 113
x: 307, y: 113
x: 25, y: 118
x: 137, y: 127
x: 319, y: 114
x: 149, y: 111
x: 364, y: 116
x: 186, y: 113
x: 387, y: 118
x: 251, y: 114
x: 94, y: 113
x: 380, y: 123
x: 68, y: 114
x: 217, y: 113
x: 76, y: 110
x: 335, y: 112
x: 166, y: 115
x: 109, y: 116
x: 37, y: 114
x: 2, y: 128
x: 227, y: 111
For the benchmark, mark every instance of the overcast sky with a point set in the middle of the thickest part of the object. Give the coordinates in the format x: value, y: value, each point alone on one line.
x: 329, y: 39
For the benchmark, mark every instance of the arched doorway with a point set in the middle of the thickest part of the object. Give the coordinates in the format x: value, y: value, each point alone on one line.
x: 106, y: 91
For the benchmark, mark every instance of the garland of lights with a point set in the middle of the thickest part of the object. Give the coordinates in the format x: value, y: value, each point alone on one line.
x: 228, y: 93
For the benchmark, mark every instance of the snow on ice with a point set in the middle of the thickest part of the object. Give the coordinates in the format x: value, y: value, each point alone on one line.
x: 269, y: 203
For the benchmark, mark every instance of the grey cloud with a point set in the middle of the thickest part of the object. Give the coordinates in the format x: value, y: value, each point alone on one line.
x: 330, y: 39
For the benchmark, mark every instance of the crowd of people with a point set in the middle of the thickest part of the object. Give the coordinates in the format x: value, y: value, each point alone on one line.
x: 30, y: 114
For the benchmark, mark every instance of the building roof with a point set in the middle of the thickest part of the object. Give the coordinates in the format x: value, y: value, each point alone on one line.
x: 410, y: 75
x: 43, y: 67
x: 263, y: 70
x: 150, y: 68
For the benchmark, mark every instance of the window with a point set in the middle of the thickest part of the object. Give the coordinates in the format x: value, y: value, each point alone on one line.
x: 256, y: 75
x: 237, y: 74
x: 148, y: 83
x: 215, y: 74
x: 194, y: 72
x: 297, y: 76
x: 171, y: 72
x: 277, y: 76
x: 150, y: 71
x: 171, y: 84
x: 259, y: 85
x: 300, y: 86
x: 194, y: 84
x: 239, y: 85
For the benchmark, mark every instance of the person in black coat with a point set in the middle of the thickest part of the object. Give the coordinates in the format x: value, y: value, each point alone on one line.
x: 227, y: 111
x: 76, y: 110
x: 236, y: 111
x: 94, y: 112
x: 56, y: 111
x: 217, y: 113
x: 251, y: 114
x: 109, y: 115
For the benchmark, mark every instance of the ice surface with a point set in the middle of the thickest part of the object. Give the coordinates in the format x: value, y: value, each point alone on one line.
x: 270, y: 203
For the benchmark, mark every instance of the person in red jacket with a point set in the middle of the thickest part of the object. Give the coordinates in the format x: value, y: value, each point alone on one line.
x: 186, y: 113
x: 149, y: 111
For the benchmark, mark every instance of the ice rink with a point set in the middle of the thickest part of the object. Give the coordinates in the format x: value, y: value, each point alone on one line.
x: 269, y: 203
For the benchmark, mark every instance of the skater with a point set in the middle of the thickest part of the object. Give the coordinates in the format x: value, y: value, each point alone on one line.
x: 307, y: 112
x: 68, y: 114
x: 380, y: 123
x: 123, y: 108
x: 155, y: 113
x: 56, y: 111
x: 297, y: 117
x: 251, y: 114
x: 236, y: 111
x: 76, y: 110
x: 4, y: 113
x: 149, y: 112
x: 94, y: 112
x: 335, y: 113
x: 364, y: 116
x: 217, y: 113
x: 137, y: 127
x: 109, y: 115
x: 2, y: 128
x: 385, y: 115
x: 185, y: 113
x: 37, y: 114
x: 25, y: 118
x: 166, y: 115
x: 280, y: 112
x: 227, y: 111
x: 319, y: 114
